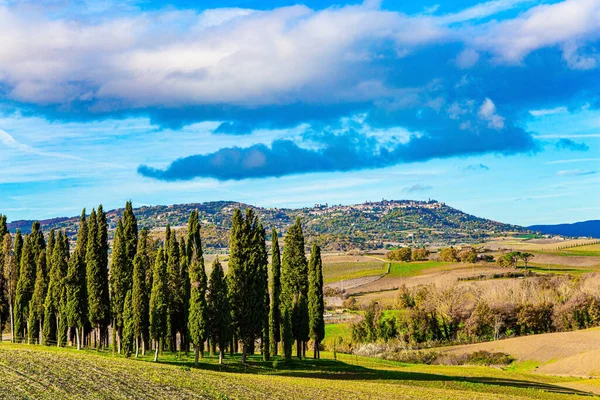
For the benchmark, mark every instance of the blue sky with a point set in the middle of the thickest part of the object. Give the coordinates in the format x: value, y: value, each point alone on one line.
x: 492, y: 107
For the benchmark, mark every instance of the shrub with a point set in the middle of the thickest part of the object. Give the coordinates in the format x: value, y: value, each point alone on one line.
x: 350, y: 303
x: 420, y: 254
x: 467, y: 255
x: 448, y: 255
x: 534, y: 318
x: 402, y: 254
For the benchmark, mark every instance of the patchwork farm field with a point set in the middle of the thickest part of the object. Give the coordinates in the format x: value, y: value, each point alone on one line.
x: 341, y: 268
x: 49, y: 373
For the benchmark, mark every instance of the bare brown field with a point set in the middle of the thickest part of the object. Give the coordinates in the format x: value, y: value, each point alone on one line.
x: 574, y: 353
x: 442, y: 274
x: 570, y: 261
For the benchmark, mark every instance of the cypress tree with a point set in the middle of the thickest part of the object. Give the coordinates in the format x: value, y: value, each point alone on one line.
x: 316, y: 305
x: 176, y: 292
x: 119, y: 282
x: 37, y: 239
x: 294, y: 285
x: 128, y: 328
x: 275, y: 311
x: 11, y: 277
x: 82, y: 235
x: 158, y: 302
x: 50, y: 245
x: 96, y: 275
x: 75, y: 310
x: 81, y: 248
x: 18, y: 251
x: 246, y: 279
x: 218, y: 309
x: 262, y: 287
x: 55, y: 302
x: 193, y: 250
x: 140, y: 298
x: 3, y: 226
x: 103, y: 246
x: 36, y: 305
x: 130, y: 233
x: 197, y: 315
x: 25, y: 287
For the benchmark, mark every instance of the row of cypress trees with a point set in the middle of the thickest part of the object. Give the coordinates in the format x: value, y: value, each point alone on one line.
x: 158, y: 293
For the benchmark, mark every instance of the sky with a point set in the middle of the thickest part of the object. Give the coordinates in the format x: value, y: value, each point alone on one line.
x: 492, y: 107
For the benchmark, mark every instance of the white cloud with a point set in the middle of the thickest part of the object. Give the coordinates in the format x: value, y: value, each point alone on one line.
x: 548, y: 111
x: 567, y: 24
x: 230, y: 55
x: 487, y: 112
x: 467, y: 58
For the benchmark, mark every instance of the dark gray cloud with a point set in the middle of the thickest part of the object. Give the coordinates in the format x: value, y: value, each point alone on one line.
x: 416, y: 188
x: 568, y: 144
x: 339, y: 152
x: 476, y: 167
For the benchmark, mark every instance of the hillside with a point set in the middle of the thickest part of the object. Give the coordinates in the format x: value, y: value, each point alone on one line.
x: 56, y: 373
x: 365, y: 226
x: 577, y: 229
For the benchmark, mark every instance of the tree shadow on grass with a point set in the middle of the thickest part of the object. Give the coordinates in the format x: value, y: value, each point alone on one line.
x: 335, y: 370
x: 338, y: 370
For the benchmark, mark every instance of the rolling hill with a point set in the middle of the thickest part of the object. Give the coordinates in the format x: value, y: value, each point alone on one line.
x: 578, y: 229
x: 365, y: 226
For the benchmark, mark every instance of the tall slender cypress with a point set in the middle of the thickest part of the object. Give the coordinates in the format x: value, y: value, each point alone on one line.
x: 176, y: 292
x: 36, y: 305
x: 294, y: 286
x: 102, y: 243
x: 130, y: 233
x: 119, y: 282
x: 140, y: 291
x: 75, y: 288
x: 218, y: 309
x: 11, y: 278
x: 316, y: 304
x: 193, y: 250
x: 158, y: 302
x: 128, y: 328
x: 25, y: 287
x: 275, y: 311
x: 198, y: 314
x: 55, y: 304
x: 18, y: 250
x: 246, y: 279
x: 50, y: 245
x: 96, y: 277
x: 262, y: 288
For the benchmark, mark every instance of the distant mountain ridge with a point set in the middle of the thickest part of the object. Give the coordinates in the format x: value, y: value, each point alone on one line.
x: 365, y: 226
x: 585, y: 228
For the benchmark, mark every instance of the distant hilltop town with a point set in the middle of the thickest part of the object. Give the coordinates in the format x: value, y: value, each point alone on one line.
x: 366, y: 226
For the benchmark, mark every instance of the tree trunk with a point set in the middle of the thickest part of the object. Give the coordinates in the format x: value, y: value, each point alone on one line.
x: 143, y: 346
x: 221, y: 355
x: 12, y: 324
x: 77, y: 336
x: 137, y: 347
x: 196, y: 353
x: 244, y: 351
x: 299, y: 349
x: 315, y: 349
x: 58, y: 334
x: 156, y: 354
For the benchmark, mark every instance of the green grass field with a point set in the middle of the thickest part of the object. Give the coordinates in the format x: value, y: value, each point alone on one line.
x: 49, y: 373
x: 402, y: 270
x: 334, y: 272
